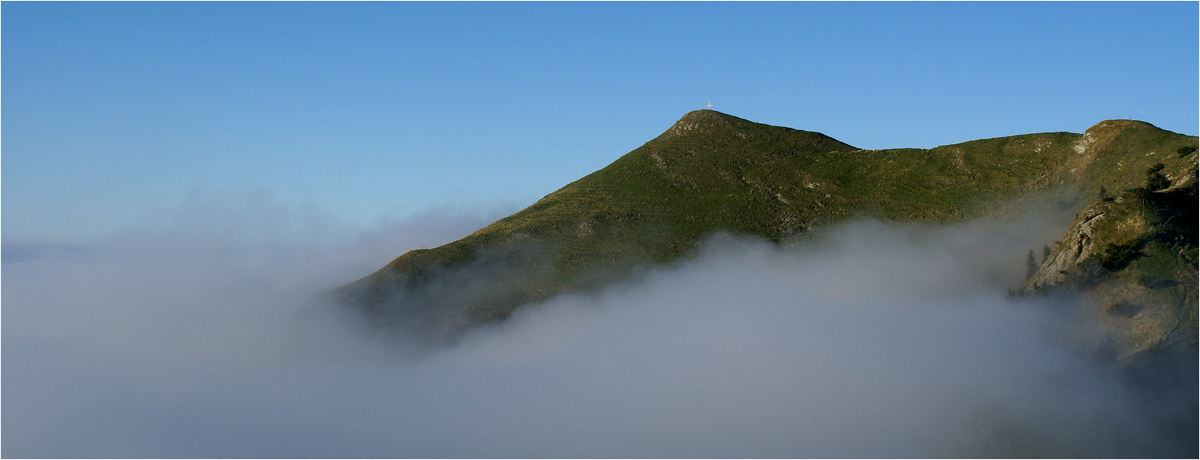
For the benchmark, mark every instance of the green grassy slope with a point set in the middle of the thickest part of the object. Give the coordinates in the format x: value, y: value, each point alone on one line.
x: 714, y: 172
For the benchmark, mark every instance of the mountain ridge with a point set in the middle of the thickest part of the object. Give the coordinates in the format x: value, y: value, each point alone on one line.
x: 713, y: 172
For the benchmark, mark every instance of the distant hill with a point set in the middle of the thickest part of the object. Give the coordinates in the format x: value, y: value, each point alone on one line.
x: 714, y: 172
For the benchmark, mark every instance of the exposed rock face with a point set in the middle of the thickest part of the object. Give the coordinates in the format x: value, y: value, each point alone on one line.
x: 1080, y: 243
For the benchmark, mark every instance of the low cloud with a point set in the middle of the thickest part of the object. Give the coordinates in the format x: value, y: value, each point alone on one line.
x: 871, y: 340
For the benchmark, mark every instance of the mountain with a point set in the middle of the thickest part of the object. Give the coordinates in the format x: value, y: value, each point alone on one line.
x: 1133, y: 254
x: 714, y: 172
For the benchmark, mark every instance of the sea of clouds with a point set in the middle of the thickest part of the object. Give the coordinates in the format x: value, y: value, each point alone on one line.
x: 203, y: 339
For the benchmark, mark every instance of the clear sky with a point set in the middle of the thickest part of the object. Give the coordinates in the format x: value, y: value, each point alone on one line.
x: 115, y: 113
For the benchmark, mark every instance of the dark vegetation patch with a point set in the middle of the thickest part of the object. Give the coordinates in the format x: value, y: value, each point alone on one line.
x: 1119, y: 255
x: 1124, y: 309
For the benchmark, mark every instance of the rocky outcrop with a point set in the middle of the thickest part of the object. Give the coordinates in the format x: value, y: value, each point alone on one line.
x: 1131, y: 258
x: 1078, y: 245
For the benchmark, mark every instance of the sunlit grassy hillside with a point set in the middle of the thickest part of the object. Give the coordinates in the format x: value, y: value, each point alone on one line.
x: 714, y: 172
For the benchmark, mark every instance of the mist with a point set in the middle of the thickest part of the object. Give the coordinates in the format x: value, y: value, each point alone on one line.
x: 870, y: 339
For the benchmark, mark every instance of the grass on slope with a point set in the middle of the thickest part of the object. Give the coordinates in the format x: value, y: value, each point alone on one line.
x: 712, y: 171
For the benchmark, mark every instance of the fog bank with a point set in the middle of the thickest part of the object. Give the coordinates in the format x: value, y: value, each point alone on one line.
x: 875, y: 340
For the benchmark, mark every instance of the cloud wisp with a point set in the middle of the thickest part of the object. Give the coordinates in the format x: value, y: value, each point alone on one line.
x: 874, y: 340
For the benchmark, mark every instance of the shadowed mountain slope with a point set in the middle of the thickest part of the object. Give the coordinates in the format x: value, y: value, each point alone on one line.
x: 714, y: 172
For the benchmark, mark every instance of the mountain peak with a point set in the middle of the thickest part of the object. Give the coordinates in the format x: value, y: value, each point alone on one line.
x: 705, y: 114
x: 705, y: 121
x: 1120, y: 124
x: 1110, y: 132
x: 708, y: 117
x: 713, y: 128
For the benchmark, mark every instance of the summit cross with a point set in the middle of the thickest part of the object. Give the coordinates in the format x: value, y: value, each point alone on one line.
x: 709, y: 106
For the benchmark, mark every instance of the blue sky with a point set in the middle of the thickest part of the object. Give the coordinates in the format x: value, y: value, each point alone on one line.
x: 115, y: 114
